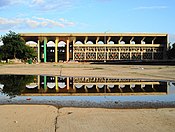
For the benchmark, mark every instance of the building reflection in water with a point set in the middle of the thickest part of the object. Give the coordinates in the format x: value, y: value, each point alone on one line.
x: 84, y: 86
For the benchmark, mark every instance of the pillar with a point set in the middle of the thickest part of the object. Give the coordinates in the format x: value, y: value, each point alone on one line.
x: 153, y: 40
x: 73, y: 48
x: 56, y: 84
x: 86, y: 39
x: 97, y: 89
x: 67, y: 51
x: 109, y: 38
x: 131, y: 40
x: 141, y: 55
x: 120, y: 40
x: 119, y: 54
x: 97, y: 40
x: 67, y: 83
x: 142, y: 40
x: 45, y: 50
x: 56, y: 50
x: 39, y: 52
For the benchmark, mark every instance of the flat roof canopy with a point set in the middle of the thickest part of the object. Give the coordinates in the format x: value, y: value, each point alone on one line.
x: 91, y: 34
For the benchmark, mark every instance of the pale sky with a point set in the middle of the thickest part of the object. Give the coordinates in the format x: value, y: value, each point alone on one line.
x: 64, y: 16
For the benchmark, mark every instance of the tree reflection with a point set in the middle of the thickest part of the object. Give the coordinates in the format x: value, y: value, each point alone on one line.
x: 173, y: 84
x: 15, y: 84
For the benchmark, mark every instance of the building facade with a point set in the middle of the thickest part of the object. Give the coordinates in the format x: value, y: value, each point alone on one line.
x: 55, y: 47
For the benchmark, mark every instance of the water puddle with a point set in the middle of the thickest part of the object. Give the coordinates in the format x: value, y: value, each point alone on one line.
x: 85, y: 91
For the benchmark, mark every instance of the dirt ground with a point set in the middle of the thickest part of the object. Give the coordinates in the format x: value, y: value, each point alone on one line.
x: 45, y: 118
x: 42, y: 118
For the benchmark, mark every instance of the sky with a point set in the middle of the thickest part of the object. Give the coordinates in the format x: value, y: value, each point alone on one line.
x: 97, y: 16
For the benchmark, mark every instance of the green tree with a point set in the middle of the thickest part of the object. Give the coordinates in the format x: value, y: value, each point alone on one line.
x: 15, y: 47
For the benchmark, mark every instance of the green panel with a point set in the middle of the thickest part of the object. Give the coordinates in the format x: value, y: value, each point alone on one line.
x: 45, y: 82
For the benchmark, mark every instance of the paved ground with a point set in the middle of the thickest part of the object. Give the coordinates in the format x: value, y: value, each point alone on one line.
x: 45, y: 118
x: 85, y: 69
x: 25, y: 118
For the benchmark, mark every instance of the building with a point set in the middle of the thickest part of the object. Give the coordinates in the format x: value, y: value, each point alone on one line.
x: 55, y: 47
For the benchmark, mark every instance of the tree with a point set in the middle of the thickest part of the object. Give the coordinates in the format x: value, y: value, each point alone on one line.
x: 14, y: 47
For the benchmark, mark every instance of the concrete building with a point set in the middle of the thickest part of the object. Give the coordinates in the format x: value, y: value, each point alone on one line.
x: 55, y: 47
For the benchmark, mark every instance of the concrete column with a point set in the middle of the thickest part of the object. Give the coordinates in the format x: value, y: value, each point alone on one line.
x: 97, y: 89
x: 39, y: 52
x: 67, y: 83
x: 141, y: 55
x: 56, y: 50
x: 131, y: 40
x: 109, y: 90
x: 96, y: 55
x: 85, y: 54
x: 97, y: 40
x: 45, y: 50
x: 120, y: 40
x: 119, y: 54
x: 67, y: 51
x: 107, y: 55
x: 153, y: 40
x: 85, y: 41
x: 109, y: 38
x: 142, y: 40
x: 73, y: 47
x: 56, y: 84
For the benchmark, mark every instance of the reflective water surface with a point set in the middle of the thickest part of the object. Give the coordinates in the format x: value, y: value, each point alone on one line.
x: 56, y: 88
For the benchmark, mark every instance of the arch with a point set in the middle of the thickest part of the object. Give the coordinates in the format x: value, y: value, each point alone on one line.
x: 122, y: 42
x: 143, y: 42
x: 61, y: 44
x: 133, y: 42
x: 111, y: 42
x: 78, y: 85
x: 110, y: 85
x: 132, y: 85
x: 61, y: 85
x: 1, y: 86
x: 100, y: 42
x: 50, y: 44
x: 89, y: 86
x: 142, y: 85
x: 89, y: 42
x: 31, y: 86
x: 78, y: 42
x: 31, y: 43
x: 51, y: 85
x: 100, y: 85
x: 121, y: 85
